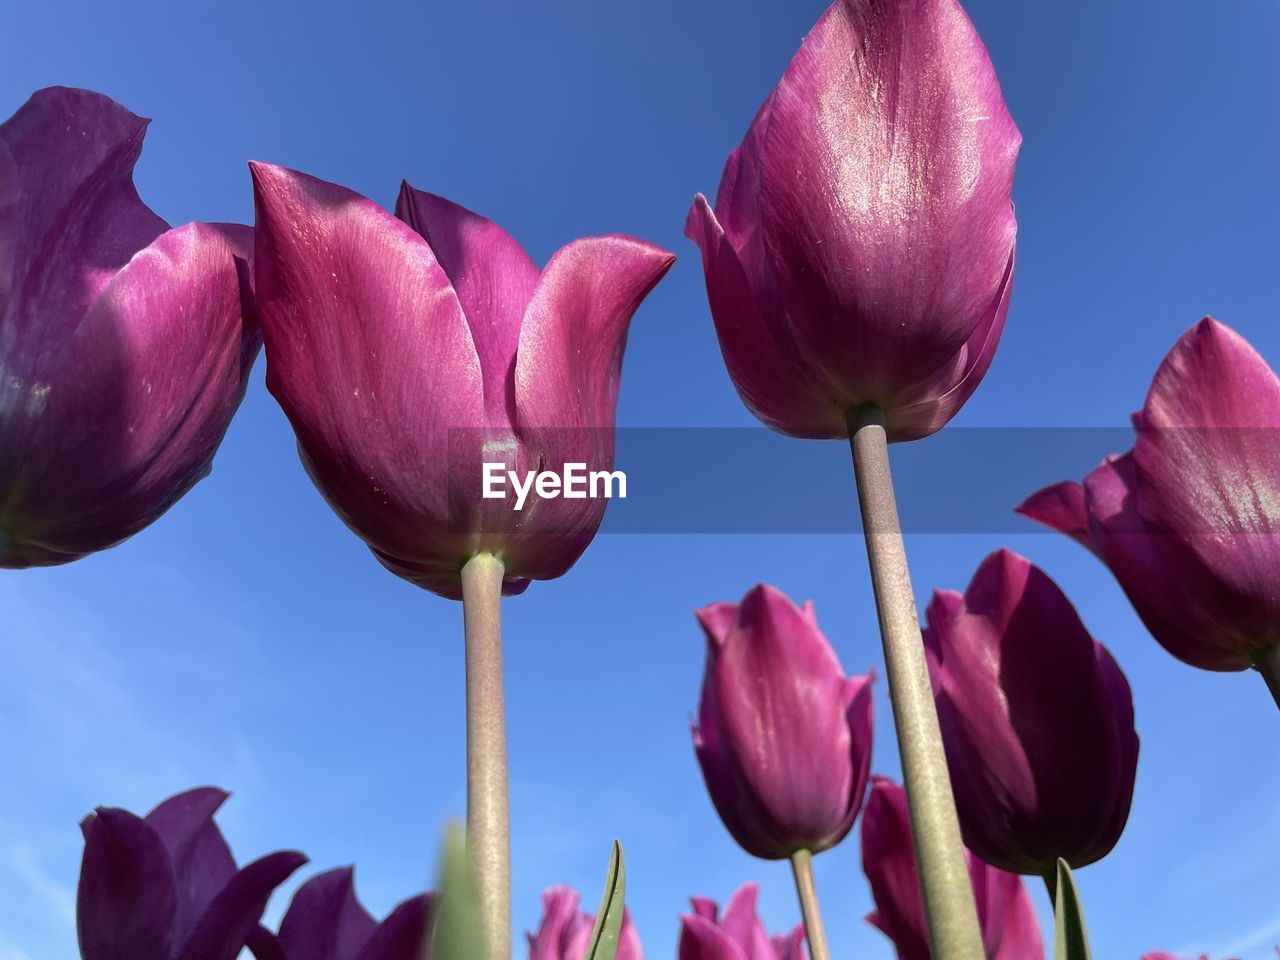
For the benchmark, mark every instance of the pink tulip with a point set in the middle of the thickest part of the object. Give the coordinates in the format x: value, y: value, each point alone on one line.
x: 408, y: 352
x: 125, y: 346
x: 1188, y: 521
x: 738, y: 934
x: 861, y: 247
x: 565, y: 930
x: 1010, y: 930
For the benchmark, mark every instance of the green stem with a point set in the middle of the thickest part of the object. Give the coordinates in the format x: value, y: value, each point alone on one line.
x: 488, y: 817
x: 944, y: 874
x: 814, y: 932
x: 1268, y: 664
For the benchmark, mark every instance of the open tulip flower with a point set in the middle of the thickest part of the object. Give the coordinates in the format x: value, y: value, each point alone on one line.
x: 783, y: 736
x: 125, y: 346
x: 325, y: 921
x: 1037, y: 720
x: 1010, y: 930
x: 565, y: 930
x: 738, y: 934
x: 861, y: 247
x: 1189, y: 520
x: 165, y: 887
x: 408, y: 350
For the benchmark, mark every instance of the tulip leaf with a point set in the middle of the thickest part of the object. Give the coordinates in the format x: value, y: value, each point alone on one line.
x: 458, y: 933
x: 1070, y: 939
x: 608, y: 926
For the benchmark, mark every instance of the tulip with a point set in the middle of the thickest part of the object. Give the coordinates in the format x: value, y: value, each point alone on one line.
x: 862, y: 243
x: 125, y: 346
x: 565, y: 930
x: 783, y: 736
x: 165, y: 886
x: 737, y: 935
x: 325, y: 921
x: 1036, y: 717
x: 1187, y: 520
x: 406, y: 352
x: 1010, y: 930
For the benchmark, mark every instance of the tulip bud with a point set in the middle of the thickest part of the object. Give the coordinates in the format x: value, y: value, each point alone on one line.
x: 1187, y: 521
x: 325, y: 921
x: 165, y: 887
x: 565, y: 930
x: 1010, y: 930
x: 125, y: 346
x: 409, y: 352
x: 738, y: 934
x: 862, y: 243
x: 1037, y: 720
x: 783, y: 736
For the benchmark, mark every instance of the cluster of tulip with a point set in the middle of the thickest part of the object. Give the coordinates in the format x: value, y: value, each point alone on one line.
x: 858, y: 260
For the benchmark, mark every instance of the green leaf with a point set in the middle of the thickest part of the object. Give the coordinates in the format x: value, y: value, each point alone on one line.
x: 458, y: 933
x: 604, y: 936
x: 1070, y: 939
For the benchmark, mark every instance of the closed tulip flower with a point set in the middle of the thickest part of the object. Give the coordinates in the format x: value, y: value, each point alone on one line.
x: 738, y: 934
x: 565, y: 930
x: 783, y: 736
x: 1188, y: 520
x: 326, y: 921
x: 1037, y: 720
x: 861, y: 247
x: 1010, y: 930
x: 125, y: 346
x: 165, y: 887
x: 408, y: 352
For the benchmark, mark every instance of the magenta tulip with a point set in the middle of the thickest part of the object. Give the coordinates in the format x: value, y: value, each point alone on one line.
x: 862, y: 243
x: 1037, y: 720
x: 1187, y: 521
x: 408, y: 352
x: 165, y: 887
x: 783, y: 736
x: 1010, y: 930
x: 125, y: 346
x: 565, y: 930
x: 325, y: 921
x: 738, y: 934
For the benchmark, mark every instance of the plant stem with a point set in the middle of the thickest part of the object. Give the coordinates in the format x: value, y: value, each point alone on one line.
x: 1268, y: 664
x: 488, y: 826
x: 944, y: 875
x: 802, y: 867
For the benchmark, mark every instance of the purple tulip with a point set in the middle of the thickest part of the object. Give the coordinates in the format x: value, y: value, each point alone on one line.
x: 1010, y: 930
x: 1037, y: 720
x: 125, y: 346
x: 862, y: 244
x: 565, y: 930
x: 165, y: 887
x: 783, y: 736
x: 408, y: 352
x: 1187, y: 521
x: 738, y: 935
x: 325, y: 921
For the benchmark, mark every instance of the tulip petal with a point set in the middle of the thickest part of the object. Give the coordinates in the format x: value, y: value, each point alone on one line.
x: 1208, y: 467
x: 743, y: 925
x: 1060, y: 507
x: 493, y: 278
x: 125, y: 899
x: 887, y: 167
x: 562, y: 923
x: 265, y: 945
x: 701, y: 939
x: 325, y: 921
x: 889, y: 861
x: 567, y: 373
x: 371, y: 357
x: 128, y: 415
x: 404, y: 934
x: 202, y: 861
x: 224, y: 929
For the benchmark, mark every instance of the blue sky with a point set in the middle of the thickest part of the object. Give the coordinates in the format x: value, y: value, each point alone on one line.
x: 248, y: 640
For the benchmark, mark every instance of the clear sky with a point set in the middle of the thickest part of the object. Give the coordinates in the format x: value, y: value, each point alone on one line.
x: 248, y: 640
